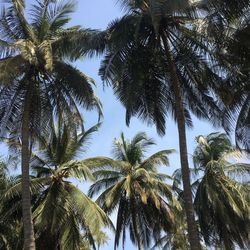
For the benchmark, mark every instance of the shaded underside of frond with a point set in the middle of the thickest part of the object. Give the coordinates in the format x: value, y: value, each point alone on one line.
x: 136, y: 66
x: 223, y: 210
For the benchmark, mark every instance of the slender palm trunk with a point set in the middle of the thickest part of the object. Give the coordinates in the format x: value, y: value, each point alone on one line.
x: 193, y: 234
x: 29, y: 239
x: 137, y: 235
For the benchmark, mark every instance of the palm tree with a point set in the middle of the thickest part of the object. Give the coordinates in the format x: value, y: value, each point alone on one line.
x: 221, y: 201
x: 132, y: 184
x: 62, y: 209
x: 64, y: 216
x: 35, y: 81
x: 159, y: 63
x: 10, y: 226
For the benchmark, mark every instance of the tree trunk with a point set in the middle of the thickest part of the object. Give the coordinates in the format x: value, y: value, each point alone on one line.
x: 193, y: 234
x: 29, y: 238
x: 137, y: 235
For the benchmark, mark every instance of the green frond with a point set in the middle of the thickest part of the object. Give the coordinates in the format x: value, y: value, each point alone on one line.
x: 114, y: 194
x: 76, y: 169
x: 90, y: 212
x: 15, y: 13
x: 75, y: 42
x: 78, y: 84
x: 36, y: 184
x: 142, y: 174
x: 213, y: 147
x: 71, y: 236
x: 102, y: 184
x: 11, y: 68
x: 158, y: 159
x: 84, y: 137
x: 221, y: 202
x: 106, y: 163
x: 238, y: 170
x: 59, y: 14
x: 131, y: 151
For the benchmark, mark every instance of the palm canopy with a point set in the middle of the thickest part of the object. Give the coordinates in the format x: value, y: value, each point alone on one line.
x: 63, y: 215
x: 230, y: 20
x: 34, y: 67
x: 61, y: 204
x: 135, y: 63
x: 212, y: 147
x: 222, y: 12
x: 132, y: 184
x: 221, y: 202
x: 238, y: 51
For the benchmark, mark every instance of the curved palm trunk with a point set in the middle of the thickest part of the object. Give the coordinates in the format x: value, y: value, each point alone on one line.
x: 193, y: 234
x: 29, y: 239
x: 137, y: 235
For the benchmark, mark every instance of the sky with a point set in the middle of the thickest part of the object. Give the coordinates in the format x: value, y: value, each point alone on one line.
x: 97, y: 14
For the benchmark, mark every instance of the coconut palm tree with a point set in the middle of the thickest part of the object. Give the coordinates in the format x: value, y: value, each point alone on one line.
x: 62, y: 208
x: 35, y: 81
x: 159, y: 63
x: 221, y: 200
x: 64, y: 216
x: 132, y: 184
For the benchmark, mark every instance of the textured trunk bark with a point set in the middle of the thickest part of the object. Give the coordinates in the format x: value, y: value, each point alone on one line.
x: 193, y: 234
x: 137, y: 235
x: 29, y: 238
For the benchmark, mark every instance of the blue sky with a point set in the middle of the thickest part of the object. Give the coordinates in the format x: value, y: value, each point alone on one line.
x: 97, y: 14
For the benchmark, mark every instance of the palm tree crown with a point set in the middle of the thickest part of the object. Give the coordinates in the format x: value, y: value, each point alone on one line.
x: 221, y: 201
x: 33, y: 65
x: 62, y: 209
x: 133, y: 184
x: 136, y: 66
